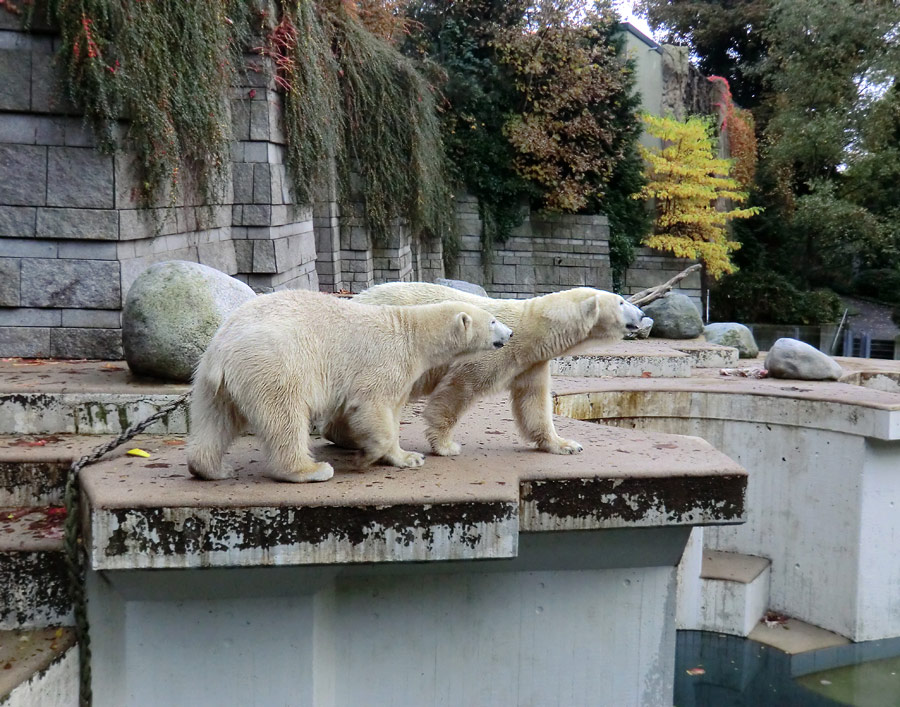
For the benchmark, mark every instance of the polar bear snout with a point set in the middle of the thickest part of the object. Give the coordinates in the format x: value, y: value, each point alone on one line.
x: 632, y: 316
x: 500, y: 333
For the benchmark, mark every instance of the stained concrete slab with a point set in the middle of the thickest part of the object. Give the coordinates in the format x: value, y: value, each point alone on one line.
x: 26, y: 654
x: 732, y: 566
x: 624, y: 359
x: 795, y: 636
x: 151, y: 513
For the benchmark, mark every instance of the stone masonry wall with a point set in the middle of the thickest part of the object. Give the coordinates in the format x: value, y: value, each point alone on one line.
x: 553, y: 252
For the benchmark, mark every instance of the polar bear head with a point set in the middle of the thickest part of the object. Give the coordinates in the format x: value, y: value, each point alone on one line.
x: 607, y: 315
x: 473, y: 328
x: 477, y: 329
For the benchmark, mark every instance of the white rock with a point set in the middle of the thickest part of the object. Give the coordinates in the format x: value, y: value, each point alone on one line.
x: 171, y: 313
x: 789, y: 358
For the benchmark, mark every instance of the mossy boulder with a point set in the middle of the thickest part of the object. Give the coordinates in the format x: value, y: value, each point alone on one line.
x: 171, y: 313
x: 675, y: 316
x: 732, y: 334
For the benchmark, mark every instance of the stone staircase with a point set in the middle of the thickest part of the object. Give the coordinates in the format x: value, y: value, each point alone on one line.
x: 38, y: 655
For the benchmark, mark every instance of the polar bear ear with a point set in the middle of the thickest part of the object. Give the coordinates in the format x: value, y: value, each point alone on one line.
x: 464, y: 321
x: 590, y: 308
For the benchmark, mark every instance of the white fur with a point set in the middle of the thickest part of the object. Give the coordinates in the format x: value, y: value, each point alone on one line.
x: 288, y: 359
x: 545, y: 327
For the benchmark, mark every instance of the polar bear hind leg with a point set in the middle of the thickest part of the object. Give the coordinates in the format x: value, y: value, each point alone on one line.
x: 284, y: 435
x: 215, y: 422
x: 532, y: 409
x: 376, y: 432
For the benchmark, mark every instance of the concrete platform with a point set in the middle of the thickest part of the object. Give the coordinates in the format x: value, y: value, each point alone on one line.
x: 795, y: 636
x: 38, y: 668
x: 151, y: 513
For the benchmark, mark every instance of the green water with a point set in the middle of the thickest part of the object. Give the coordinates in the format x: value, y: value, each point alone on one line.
x: 872, y: 684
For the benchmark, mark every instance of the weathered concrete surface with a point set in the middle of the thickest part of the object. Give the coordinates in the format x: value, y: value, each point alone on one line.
x: 735, y: 592
x: 81, y: 397
x: 823, y: 489
x: 813, y: 404
x: 33, y: 579
x: 38, y: 668
x: 703, y: 353
x: 151, y: 513
x: 623, y: 359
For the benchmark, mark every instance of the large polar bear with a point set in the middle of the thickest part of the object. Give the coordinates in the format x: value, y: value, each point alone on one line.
x: 546, y: 327
x: 283, y: 361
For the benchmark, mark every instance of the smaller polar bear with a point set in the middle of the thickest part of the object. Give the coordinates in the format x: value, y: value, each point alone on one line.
x: 283, y: 361
x: 546, y: 327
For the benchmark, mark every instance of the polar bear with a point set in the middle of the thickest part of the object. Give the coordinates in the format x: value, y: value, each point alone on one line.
x: 285, y: 360
x: 546, y: 327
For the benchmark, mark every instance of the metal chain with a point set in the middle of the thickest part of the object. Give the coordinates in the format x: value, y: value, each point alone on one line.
x: 73, y: 544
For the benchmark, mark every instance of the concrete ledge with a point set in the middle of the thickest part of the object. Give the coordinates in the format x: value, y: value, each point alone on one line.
x: 147, y: 513
x: 624, y: 359
x: 41, y: 668
x: 837, y: 407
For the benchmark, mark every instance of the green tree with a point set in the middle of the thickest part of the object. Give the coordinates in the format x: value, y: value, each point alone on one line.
x: 688, y: 181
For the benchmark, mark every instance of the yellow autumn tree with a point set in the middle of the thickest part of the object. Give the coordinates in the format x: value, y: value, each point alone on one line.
x: 688, y: 181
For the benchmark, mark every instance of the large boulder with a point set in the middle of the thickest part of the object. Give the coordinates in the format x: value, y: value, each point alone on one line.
x: 462, y: 285
x: 789, y: 358
x: 171, y: 313
x: 674, y: 316
x: 732, y: 334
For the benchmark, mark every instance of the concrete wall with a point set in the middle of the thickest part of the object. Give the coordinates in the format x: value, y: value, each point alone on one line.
x: 822, y: 495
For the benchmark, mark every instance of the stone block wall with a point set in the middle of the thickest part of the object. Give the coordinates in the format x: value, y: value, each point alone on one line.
x: 554, y: 252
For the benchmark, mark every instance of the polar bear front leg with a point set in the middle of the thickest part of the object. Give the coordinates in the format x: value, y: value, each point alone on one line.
x: 376, y: 429
x: 532, y: 409
x: 445, y: 406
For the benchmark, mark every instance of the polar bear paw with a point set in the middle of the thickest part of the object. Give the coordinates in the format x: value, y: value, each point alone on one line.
x: 408, y: 460
x: 446, y: 449
x: 563, y: 446
x: 320, y: 472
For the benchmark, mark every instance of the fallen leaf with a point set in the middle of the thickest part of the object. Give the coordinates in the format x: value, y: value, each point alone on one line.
x: 138, y: 453
x: 646, y: 374
x: 173, y: 442
x: 695, y: 671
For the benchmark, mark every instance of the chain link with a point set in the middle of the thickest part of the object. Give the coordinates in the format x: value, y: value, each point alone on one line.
x: 73, y: 544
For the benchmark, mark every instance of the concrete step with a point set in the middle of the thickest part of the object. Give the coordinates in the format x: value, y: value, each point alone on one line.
x: 793, y: 636
x: 734, y: 591
x: 33, y: 578
x: 33, y: 468
x: 38, y: 668
x: 624, y: 359
x: 704, y: 354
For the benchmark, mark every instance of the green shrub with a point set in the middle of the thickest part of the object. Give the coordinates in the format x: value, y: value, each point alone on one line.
x: 881, y: 284
x: 769, y: 298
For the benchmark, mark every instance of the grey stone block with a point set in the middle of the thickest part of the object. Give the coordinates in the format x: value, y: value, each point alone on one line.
x: 91, y: 284
x: 17, y: 221
x: 104, y: 344
x: 259, y: 120
x: 219, y: 255
x: 23, y: 175
x: 264, y: 257
x: 47, y: 92
x: 240, y: 119
x: 78, y: 176
x: 256, y: 215
x: 242, y: 176
x: 23, y: 316
x: 31, y: 342
x: 255, y: 152
x: 88, y: 250
x: 15, y: 88
x: 262, y: 184
x: 90, y: 224
x: 50, y: 131
x: 243, y: 254
x: 91, y: 318
x: 9, y: 281
x: 16, y: 128
x: 27, y: 248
